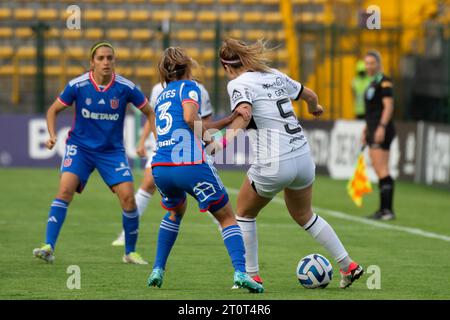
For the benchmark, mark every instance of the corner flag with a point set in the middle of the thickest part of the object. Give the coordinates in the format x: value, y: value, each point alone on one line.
x: 359, y: 184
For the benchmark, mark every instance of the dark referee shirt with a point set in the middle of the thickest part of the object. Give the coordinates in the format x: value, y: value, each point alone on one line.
x: 379, y: 88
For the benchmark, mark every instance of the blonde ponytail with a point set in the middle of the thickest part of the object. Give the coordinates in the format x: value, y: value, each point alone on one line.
x: 236, y: 54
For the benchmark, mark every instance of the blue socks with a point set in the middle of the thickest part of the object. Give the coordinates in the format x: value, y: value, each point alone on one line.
x: 130, y: 222
x: 232, y: 237
x: 168, y: 232
x: 56, y: 217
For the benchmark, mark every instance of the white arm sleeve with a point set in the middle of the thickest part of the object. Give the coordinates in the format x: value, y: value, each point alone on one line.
x: 156, y: 91
x: 294, y: 88
x: 206, y: 109
x: 238, y: 93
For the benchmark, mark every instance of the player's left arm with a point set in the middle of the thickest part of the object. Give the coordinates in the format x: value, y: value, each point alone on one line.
x: 208, y: 120
x: 237, y: 121
x: 388, y: 110
x: 242, y: 116
x: 226, y: 121
x: 141, y: 102
x: 150, y: 126
x: 241, y: 107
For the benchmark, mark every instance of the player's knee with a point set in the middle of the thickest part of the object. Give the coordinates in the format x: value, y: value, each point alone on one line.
x: 381, y: 171
x: 246, y: 212
x: 128, y: 202
x: 148, y: 187
x: 148, y: 183
x: 65, y: 194
x: 225, y: 216
x: 302, y: 215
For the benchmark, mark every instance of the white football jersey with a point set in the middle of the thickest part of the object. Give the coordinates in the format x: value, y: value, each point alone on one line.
x: 278, y: 135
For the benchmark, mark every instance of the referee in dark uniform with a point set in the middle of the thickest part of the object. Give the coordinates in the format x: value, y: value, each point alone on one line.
x: 380, y: 131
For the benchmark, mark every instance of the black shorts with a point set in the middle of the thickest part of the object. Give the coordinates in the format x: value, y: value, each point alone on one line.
x: 388, y: 137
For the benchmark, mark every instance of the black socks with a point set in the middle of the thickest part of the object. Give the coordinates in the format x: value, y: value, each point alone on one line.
x: 386, y: 186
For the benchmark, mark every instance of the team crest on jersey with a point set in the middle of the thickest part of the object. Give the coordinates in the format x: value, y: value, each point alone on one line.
x: 88, y: 101
x: 114, y: 103
x: 67, y: 162
x: 236, y: 96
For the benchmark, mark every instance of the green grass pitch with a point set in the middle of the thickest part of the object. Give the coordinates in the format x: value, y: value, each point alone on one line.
x: 412, y: 266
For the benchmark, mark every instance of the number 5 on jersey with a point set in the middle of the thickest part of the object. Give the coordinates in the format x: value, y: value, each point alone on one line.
x: 288, y: 114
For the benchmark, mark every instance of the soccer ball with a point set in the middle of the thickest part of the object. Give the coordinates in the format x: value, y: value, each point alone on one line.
x: 314, y: 271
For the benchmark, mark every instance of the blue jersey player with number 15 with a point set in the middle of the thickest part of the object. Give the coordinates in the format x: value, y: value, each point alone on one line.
x: 96, y: 142
x: 180, y: 167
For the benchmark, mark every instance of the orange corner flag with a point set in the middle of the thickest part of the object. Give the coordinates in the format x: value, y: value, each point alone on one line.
x: 359, y: 184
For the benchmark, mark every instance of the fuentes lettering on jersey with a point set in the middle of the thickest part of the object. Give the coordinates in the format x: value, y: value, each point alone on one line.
x: 166, y: 95
x: 99, y: 116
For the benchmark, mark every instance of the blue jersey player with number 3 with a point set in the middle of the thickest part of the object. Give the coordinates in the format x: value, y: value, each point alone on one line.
x: 180, y: 167
x: 96, y: 142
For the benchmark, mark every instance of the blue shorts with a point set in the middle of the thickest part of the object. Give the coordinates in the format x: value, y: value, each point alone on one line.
x: 112, y: 166
x: 201, y: 181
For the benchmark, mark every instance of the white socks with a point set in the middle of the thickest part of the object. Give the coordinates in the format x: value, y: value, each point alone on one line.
x: 320, y: 230
x: 248, y: 228
x: 142, y: 199
x: 317, y: 227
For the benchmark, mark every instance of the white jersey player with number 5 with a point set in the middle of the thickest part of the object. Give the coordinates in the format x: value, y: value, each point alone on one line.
x: 282, y: 155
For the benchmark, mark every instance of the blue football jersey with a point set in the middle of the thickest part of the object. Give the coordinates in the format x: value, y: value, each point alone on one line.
x: 176, y: 143
x: 100, y: 111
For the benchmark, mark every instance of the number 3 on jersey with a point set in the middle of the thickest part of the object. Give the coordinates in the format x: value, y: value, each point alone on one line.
x: 163, y: 115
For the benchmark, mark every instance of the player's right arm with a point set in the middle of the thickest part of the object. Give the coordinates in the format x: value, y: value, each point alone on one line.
x: 310, y: 97
x: 190, y: 116
x: 64, y: 100
x: 298, y: 91
x: 140, y: 150
x: 52, y: 112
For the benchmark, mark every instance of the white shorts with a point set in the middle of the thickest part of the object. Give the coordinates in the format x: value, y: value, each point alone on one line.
x: 151, y: 154
x: 294, y: 173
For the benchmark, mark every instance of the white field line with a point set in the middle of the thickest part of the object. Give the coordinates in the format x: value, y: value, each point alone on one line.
x: 377, y: 224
